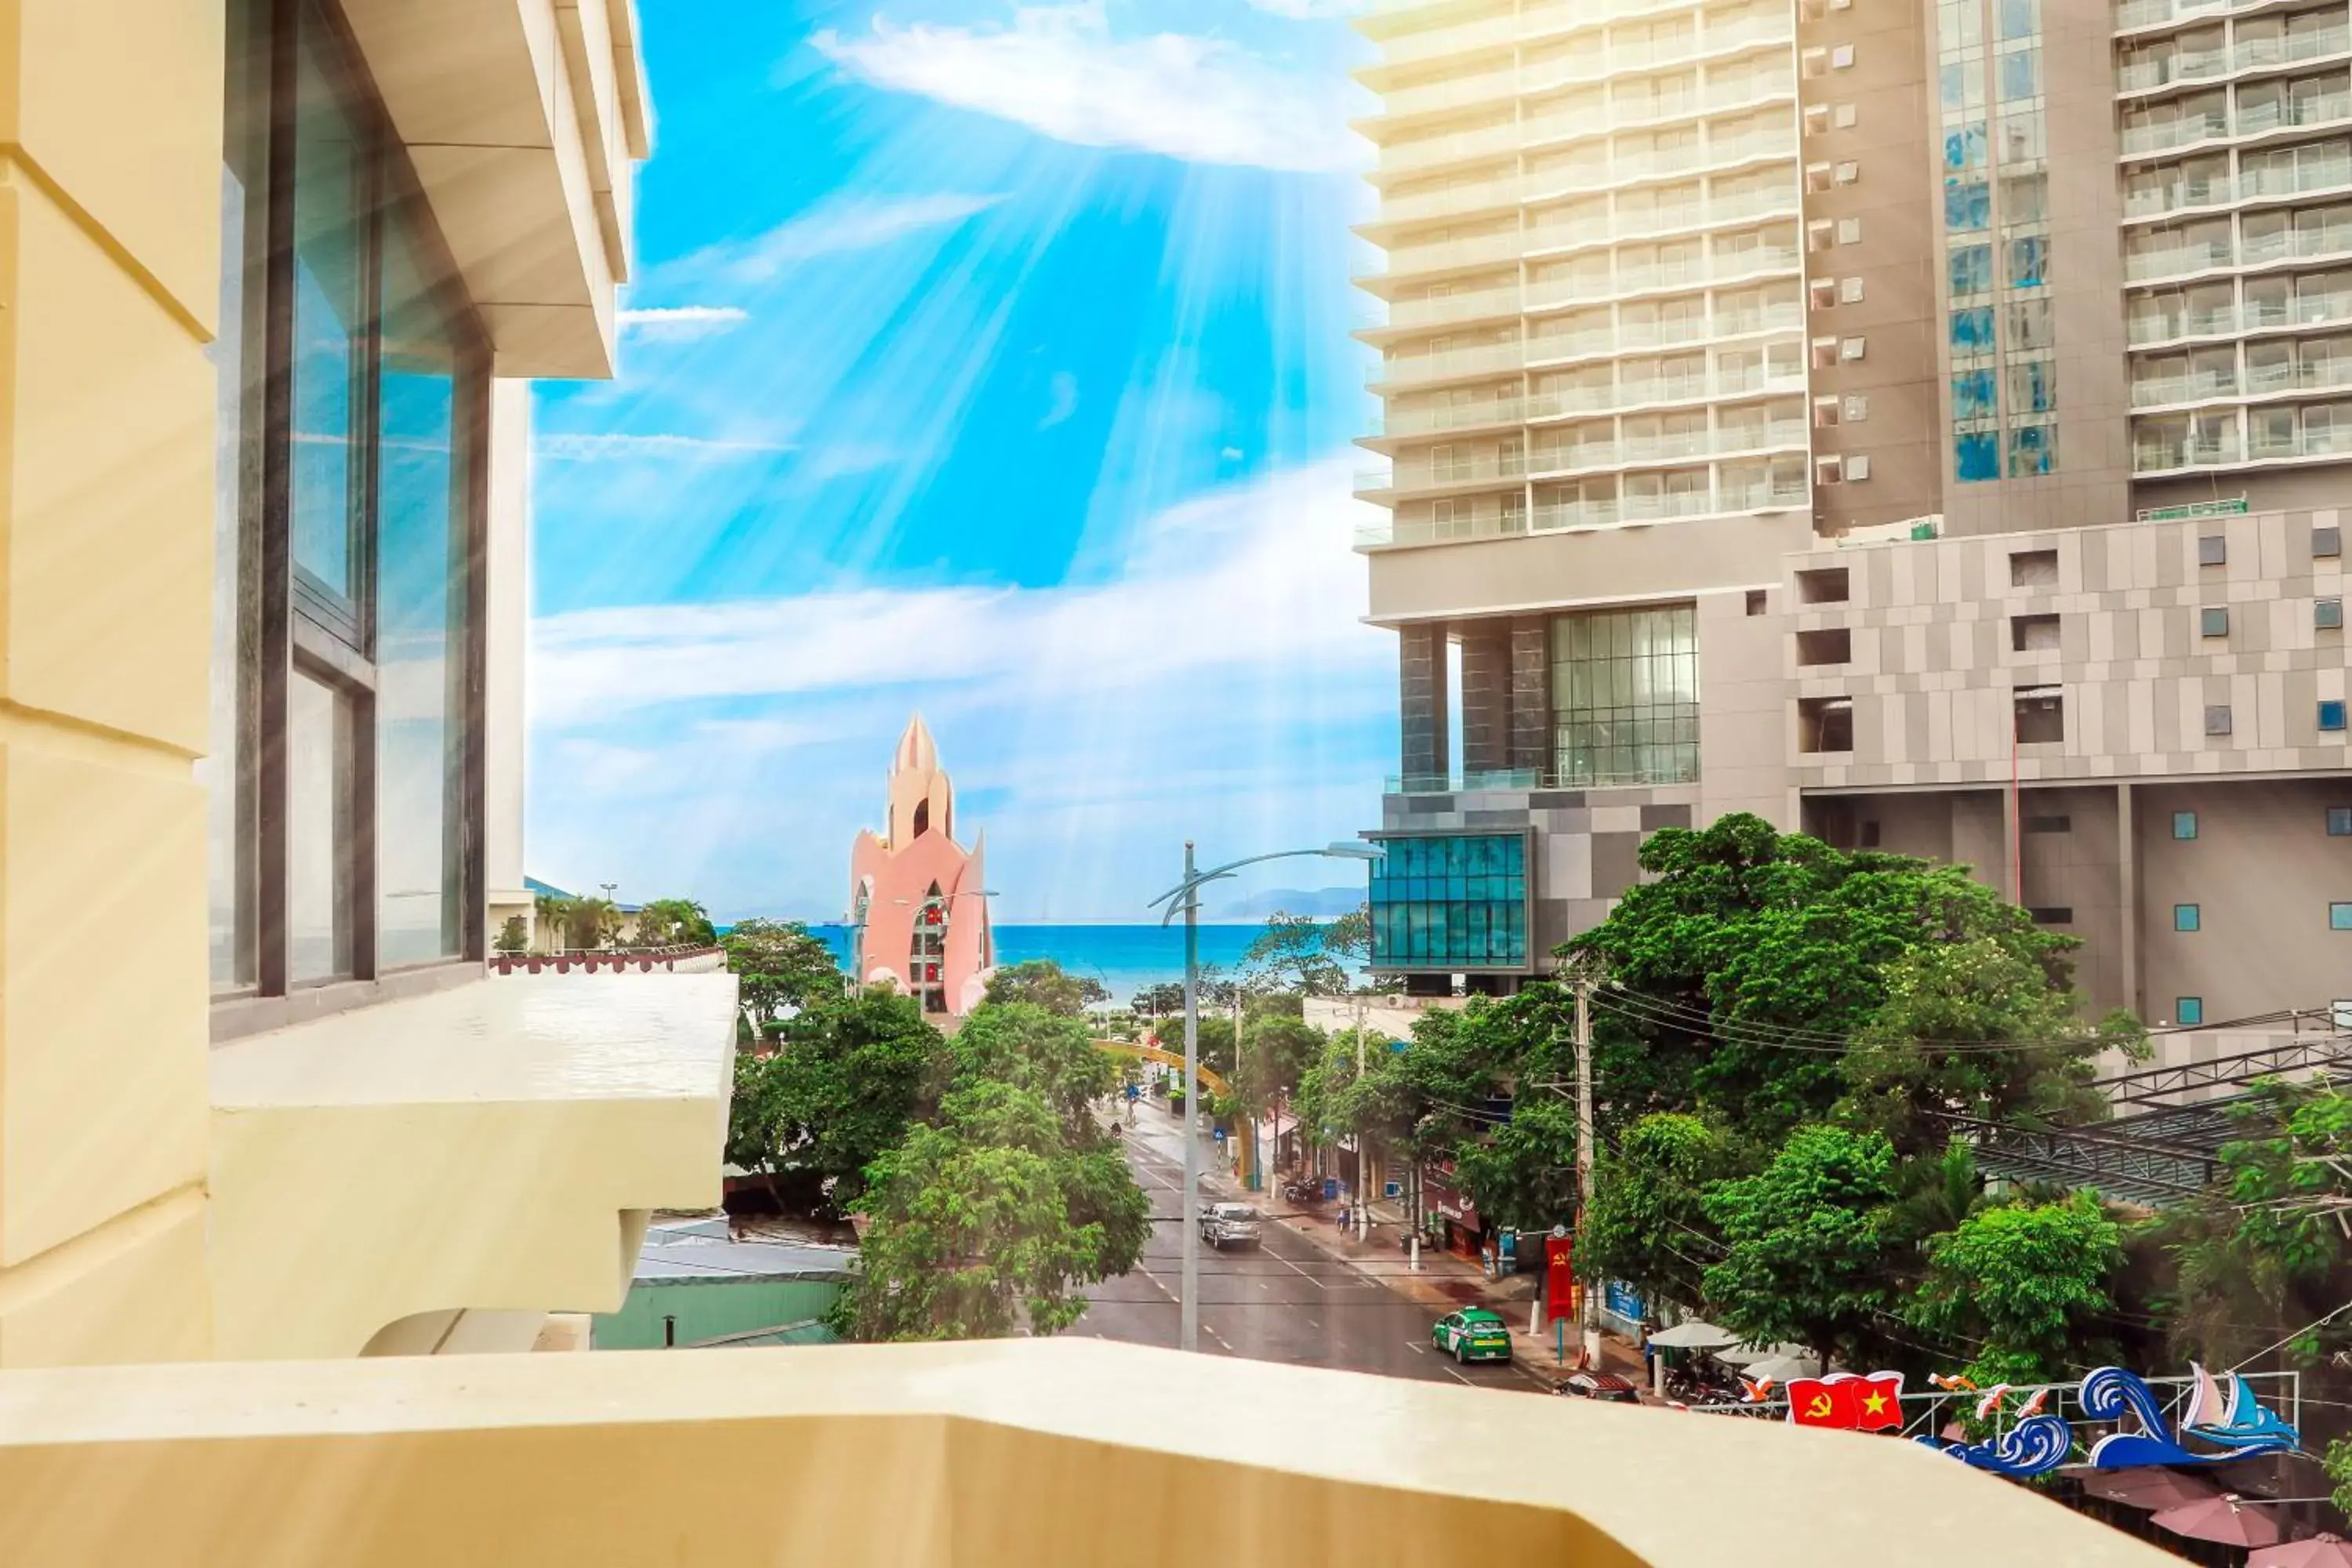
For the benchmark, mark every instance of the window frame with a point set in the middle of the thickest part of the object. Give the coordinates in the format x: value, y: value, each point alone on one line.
x: 291, y: 630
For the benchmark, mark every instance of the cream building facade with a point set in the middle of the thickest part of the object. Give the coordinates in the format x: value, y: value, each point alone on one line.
x: 273, y: 276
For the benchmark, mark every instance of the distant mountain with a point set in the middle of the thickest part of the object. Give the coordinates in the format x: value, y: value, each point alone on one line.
x: 1322, y: 903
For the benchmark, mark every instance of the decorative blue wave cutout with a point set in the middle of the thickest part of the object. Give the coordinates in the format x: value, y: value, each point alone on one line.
x: 2111, y: 1394
x: 2034, y: 1445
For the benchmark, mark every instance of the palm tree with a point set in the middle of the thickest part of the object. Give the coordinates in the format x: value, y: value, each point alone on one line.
x: 554, y: 917
x: 591, y: 923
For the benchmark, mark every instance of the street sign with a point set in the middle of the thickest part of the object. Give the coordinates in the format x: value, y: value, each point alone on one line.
x: 2228, y: 506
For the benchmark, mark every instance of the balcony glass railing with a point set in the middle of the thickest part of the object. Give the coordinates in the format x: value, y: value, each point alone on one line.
x: 2210, y: 192
x: 2294, y: 179
x: 2326, y: 239
x: 1489, y: 32
x: 1437, y: 475
x: 2185, y: 324
x: 2303, y: 310
x: 2161, y: 135
x: 1431, y: 150
x: 2134, y: 14
x: 1470, y: 195
x: 2254, y: 54
x: 2154, y: 456
x: 1469, y: 305
x: 1457, y: 93
x: 2187, y: 64
x: 2285, y: 113
x: 1451, y: 253
x: 1456, y: 416
x: 2148, y: 391
x: 2176, y: 260
x: 1405, y: 369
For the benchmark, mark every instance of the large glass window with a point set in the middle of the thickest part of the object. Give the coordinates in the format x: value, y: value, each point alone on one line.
x: 1451, y: 902
x: 345, y: 775
x: 1625, y: 696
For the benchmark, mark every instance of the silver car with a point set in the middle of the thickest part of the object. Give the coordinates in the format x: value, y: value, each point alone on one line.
x: 1229, y: 1225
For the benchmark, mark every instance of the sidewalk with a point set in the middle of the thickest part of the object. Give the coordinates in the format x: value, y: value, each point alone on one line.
x: 1445, y: 1283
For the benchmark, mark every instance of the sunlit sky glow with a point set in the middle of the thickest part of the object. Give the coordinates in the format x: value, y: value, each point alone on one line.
x: 985, y: 358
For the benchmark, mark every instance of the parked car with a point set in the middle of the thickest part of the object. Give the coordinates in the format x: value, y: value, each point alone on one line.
x: 1606, y: 1386
x: 1229, y: 1225
x: 1475, y: 1334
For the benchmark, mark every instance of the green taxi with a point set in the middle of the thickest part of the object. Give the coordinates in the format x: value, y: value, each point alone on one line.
x: 1475, y: 1334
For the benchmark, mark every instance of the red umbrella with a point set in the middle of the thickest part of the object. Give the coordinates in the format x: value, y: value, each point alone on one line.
x: 2223, y: 1520
x: 2151, y: 1488
x: 2322, y: 1551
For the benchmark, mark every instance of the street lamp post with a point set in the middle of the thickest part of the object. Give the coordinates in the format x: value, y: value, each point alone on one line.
x: 1185, y: 898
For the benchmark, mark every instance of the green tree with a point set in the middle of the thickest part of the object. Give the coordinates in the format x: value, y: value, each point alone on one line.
x: 2026, y: 1281
x: 780, y: 965
x: 1051, y: 1055
x: 590, y: 925
x: 514, y: 935
x: 969, y: 1233
x: 849, y: 1075
x: 1293, y: 952
x: 554, y: 916
x: 1648, y: 1225
x: 1807, y: 1256
x: 1045, y: 983
x: 675, y: 922
x: 1748, y: 957
x: 1925, y: 1050
x: 1349, y: 937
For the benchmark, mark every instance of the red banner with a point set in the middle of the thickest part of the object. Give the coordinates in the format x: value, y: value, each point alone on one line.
x: 1559, y: 1277
x: 1847, y: 1401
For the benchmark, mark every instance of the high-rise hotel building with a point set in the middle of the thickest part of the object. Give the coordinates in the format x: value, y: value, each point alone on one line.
x: 1920, y: 424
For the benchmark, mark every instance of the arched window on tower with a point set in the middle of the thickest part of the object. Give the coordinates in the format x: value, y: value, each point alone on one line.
x: 923, y: 821
x: 926, y: 963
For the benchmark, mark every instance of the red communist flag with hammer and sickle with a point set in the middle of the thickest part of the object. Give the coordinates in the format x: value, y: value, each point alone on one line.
x: 1847, y: 1401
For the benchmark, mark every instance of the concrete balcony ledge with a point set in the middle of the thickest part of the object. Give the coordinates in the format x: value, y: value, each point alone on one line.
x: 1039, y: 1454
x: 492, y: 1148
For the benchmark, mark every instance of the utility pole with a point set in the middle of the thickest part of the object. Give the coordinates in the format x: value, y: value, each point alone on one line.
x: 1589, y: 1316
x: 1363, y: 1143
x: 1188, y: 1333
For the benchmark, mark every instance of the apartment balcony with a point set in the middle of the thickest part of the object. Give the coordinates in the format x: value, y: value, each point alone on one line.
x: 1407, y: 422
x: 1758, y: 262
x: 2311, y: 375
x: 2181, y: 455
x: 2295, y: 244
x: 1405, y: 478
x: 2303, y: 310
x: 2135, y: 16
x: 1041, y: 1453
x: 2290, y: 48
x: 2322, y: 443
x: 2294, y: 115
x: 2164, y: 135
x: 1438, y: 97
x: 2187, y: 66
x: 2175, y: 261
x: 1454, y: 201
x: 492, y: 1148
x: 2142, y: 330
x: 1411, y: 370
x: 1486, y: 34
x: 2151, y: 392
x: 1461, y: 147
x: 1445, y: 310
x: 1452, y: 255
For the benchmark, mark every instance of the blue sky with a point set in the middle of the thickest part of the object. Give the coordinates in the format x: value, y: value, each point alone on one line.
x: 988, y: 358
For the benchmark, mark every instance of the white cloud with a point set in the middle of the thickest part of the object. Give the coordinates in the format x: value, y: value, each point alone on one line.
x: 832, y: 228
x: 1309, y: 10
x: 1057, y: 70
x: 1256, y: 578
x: 682, y: 323
x: 613, y: 447
x: 1063, y: 391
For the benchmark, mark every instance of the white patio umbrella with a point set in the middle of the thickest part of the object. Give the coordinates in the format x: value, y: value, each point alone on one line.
x: 1781, y: 1368
x: 1694, y: 1335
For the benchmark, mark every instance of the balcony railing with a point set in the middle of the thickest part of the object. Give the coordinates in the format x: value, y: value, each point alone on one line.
x: 1430, y: 151
x: 1444, y: 308
x: 2285, y: 179
x: 2187, y: 65
x: 2135, y: 14
x: 2320, y: 441
x: 2156, y: 455
x: 2285, y: 113
x: 2326, y: 239
x: 2256, y: 54
x: 977, y: 1454
x: 2174, y: 260
x: 2148, y: 391
x: 1435, y: 476
x: 2303, y: 310
x: 1459, y: 416
x: 2310, y: 376
x: 2158, y: 136
x: 1403, y: 370
x: 1458, y: 92
x: 1468, y: 196
x: 2146, y: 328
x: 1445, y: 254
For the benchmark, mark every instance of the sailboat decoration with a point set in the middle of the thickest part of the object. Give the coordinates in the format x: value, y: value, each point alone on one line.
x: 2233, y: 1419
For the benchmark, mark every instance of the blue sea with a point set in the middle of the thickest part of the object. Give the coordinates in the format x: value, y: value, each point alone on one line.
x: 1124, y: 958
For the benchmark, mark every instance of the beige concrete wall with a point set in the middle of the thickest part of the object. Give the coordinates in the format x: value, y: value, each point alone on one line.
x: 1742, y: 711
x: 2262, y: 871
x: 110, y: 256
x: 1896, y: 262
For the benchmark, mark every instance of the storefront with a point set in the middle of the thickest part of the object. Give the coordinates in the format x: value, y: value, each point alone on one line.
x: 1451, y: 1219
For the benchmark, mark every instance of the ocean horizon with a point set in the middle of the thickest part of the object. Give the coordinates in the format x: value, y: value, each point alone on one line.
x: 1124, y: 958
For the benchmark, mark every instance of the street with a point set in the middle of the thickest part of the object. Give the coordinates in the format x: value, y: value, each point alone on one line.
x: 1287, y: 1300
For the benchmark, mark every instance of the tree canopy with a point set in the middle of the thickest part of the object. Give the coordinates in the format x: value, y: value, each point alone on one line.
x: 848, y: 1076
x: 1045, y: 984
x: 780, y: 964
x: 675, y: 922
x: 1806, y: 1244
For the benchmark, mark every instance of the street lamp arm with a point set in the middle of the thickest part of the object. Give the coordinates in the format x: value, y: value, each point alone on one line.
x: 1199, y: 879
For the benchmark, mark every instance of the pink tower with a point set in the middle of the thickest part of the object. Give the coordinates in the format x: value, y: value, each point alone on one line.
x: 918, y: 913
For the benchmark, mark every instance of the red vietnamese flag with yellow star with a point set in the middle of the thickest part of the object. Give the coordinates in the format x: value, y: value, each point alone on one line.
x: 1847, y: 1401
